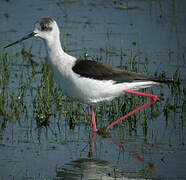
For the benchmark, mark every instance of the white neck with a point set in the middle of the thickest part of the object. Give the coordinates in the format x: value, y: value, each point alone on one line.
x: 58, y: 58
x: 54, y: 47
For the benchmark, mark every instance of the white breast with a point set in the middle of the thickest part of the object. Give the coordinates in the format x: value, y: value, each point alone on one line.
x: 84, y: 89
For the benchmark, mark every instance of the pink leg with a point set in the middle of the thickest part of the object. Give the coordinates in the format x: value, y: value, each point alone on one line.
x: 93, y: 119
x: 151, y: 96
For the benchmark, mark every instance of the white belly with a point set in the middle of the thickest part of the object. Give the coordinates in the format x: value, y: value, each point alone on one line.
x: 88, y: 90
x: 91, y: 91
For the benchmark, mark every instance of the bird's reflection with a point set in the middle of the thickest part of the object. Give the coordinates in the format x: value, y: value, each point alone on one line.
x: 90, y: 168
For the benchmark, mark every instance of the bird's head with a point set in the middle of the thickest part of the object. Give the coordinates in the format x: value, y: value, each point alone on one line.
x: 45, y: 28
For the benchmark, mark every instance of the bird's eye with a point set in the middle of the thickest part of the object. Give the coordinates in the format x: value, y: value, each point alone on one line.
x: 45, y: 27
x: 45, y: 24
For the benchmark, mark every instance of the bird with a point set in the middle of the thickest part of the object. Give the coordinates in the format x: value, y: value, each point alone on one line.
x: 89, y: 81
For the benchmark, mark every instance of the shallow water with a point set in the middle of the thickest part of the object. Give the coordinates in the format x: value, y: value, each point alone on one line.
x: 44, y: 135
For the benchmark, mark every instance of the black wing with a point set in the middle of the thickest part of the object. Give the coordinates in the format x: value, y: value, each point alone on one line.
x: 99, y: 71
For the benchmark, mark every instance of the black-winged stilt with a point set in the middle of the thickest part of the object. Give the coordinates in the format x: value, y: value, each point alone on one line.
x: 88, y: 81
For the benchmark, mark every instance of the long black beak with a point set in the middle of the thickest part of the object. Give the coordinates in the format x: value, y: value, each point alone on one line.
x: 32, y: 34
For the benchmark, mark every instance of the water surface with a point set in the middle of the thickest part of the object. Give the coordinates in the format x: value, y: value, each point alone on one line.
x: 44, y: 135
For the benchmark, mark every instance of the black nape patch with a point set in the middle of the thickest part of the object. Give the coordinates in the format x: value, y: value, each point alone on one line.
x: 45, y: 24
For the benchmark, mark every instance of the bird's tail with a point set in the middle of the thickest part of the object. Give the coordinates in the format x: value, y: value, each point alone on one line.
x: 161, y: 80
